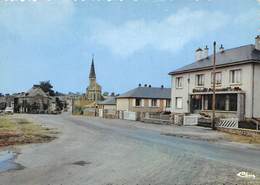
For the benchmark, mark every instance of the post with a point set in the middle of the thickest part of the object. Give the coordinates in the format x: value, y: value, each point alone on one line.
x: 213, y: 125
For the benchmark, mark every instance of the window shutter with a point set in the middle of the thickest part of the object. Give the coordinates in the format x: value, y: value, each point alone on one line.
x: 133, y: 101
x: 142, y: 102
x: 158, y: 103
x: 149, y: 102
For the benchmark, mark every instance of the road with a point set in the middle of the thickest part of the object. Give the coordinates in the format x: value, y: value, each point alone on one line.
x: 94, y: 151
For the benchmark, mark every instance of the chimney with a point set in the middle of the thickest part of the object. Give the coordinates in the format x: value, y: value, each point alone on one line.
x: 198, y: 54
x: 221, y: 49
x: 206, y: 52
x: 145, y: 85
x: 257, y: 42
x: 150, y: 86
x: 162, y: 86
x: 139, y: 85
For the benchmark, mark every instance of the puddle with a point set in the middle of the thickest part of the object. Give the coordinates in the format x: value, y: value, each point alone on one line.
x: 7, y: 161
x: 81, y: 163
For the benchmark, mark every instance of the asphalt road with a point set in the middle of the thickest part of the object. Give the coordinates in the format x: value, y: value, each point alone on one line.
x: 93, y: 151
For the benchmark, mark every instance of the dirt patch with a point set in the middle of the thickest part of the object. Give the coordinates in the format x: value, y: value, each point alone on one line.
x: 194, y: 137
x: 21, y: 131
x: 226, y: 136
x: 242, y: 139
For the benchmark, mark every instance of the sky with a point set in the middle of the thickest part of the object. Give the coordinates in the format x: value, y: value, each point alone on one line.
x: 133, y: 41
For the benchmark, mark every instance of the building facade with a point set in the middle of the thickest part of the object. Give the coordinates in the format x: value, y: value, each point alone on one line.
x: 237, y: 84
x: 145, y: 99
x: 107, y: 108
x: 94, y: 90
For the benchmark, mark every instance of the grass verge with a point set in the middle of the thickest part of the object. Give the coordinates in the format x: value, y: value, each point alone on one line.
x: 21, y: 131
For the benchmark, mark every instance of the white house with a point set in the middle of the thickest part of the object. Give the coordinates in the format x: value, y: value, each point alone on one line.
x: 145, y: 99
x: 237, y: 83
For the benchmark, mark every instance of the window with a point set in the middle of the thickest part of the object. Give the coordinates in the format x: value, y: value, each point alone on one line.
x: 233, y: 102
x: 137, y: 102
x: 224, y: 102
x: 235, y: 76
x: 196, y: 102
x: 179, y: 103
x: 221, y: 102
x: 154, y: 102
x: 218, y: 78
x: 200, y: 80
x: 168, y: 103
x: 179, y: 82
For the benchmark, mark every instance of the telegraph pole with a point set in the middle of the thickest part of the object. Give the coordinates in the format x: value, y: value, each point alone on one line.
x: 214, y: 89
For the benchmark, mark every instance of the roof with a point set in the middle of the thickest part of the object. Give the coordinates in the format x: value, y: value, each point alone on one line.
x: 36, y: 91
x: 92, y: 73
x: 148, y: 92
x: 242, y: 54
x: 108, y: 101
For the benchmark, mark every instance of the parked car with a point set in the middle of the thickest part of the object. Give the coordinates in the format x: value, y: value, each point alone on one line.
x: 9, y: 110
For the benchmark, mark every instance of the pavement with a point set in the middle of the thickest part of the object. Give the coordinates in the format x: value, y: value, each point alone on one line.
x: 95, y: 151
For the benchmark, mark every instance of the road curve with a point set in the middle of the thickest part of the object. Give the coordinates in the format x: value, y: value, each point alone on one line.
x: 95, y: 151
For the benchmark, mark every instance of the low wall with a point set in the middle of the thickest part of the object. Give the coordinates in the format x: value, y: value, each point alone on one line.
x: 157, y: 121
x: 239, y: 131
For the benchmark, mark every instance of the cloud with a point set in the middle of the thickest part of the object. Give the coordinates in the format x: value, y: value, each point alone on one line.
x: 169, y: 34
x: 252, y: 16
x: 34, y: 18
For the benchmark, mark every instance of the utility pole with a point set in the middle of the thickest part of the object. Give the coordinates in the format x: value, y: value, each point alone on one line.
x: 214, y: 89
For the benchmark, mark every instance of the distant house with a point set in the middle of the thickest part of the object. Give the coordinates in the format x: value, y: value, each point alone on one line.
x: 33, y: 101
x: 7, y: 102
x: 237, y: 83
x: 145, y: 99
x: 108, y: 104
x: 107, y: 108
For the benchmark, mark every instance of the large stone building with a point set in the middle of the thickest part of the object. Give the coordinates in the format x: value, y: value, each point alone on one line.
x: 93, y: 91
x: 237, y: 83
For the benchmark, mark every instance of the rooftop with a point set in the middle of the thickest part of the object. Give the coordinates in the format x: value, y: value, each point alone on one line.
x: 108, y: 101
x: 148, y: 92
x: 242, y: 54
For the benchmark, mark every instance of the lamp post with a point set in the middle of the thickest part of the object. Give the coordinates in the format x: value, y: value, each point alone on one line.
x: 213, y: 125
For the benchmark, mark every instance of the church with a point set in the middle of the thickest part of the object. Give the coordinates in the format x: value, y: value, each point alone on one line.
x: 94, y: 90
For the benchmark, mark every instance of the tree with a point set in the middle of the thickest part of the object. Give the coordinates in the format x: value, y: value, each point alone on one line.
x: 105, y: 94
x: 47, y: 87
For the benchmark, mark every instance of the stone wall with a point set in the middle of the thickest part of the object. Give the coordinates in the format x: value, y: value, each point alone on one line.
x: 239, y: 131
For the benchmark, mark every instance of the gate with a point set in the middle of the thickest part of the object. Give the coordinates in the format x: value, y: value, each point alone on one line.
x: 228, y: 123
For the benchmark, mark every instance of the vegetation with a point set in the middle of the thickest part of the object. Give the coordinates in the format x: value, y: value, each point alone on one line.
x: 20, y: 131
x: 47, y: 87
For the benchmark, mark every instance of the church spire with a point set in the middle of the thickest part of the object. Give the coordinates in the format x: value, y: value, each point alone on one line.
x: 92, y: 73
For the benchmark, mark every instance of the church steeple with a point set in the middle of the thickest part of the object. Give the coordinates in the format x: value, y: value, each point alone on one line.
x: 94, y: 90
x: 92, y: 73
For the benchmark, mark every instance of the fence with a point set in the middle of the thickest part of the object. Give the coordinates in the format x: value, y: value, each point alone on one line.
x: 156, y: 118
x: 228, y: 123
